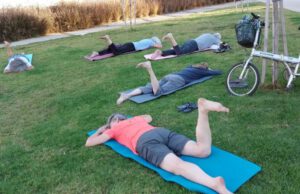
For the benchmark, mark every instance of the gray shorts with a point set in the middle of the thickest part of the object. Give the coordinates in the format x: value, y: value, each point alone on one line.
x: 168, y: 83
x: 155, y: 144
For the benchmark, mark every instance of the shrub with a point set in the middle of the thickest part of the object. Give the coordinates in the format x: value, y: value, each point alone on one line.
x: 20, y: 23
x: 16, y: 24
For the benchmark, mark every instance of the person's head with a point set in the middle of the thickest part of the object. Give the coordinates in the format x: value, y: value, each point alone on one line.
x: 218, y: 35
x: 15, y: 65
x: 157, y: 42
x: 114, y: 119
x: 202, y: 65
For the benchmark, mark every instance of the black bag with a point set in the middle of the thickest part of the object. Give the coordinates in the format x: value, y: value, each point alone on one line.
x: 245, y: 31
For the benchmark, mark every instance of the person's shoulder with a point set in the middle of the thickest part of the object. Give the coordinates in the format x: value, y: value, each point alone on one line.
x: 18, y: 56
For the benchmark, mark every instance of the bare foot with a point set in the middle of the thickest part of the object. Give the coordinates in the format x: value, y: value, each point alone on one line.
x: 6, y: 43
x: 123, y: 97
x: 146, y: 65
x: 105, y: 37
x: 220, y: 186
x: 207, y: 105
x: 94, y: 54
x: 168, y: 36
x: 156, y: 54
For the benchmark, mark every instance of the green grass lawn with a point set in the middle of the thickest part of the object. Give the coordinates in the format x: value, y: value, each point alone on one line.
x: 46, y: 113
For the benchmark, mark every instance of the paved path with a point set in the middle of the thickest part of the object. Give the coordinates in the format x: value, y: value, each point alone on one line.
x: 288, y: 4
x: 293, y: 5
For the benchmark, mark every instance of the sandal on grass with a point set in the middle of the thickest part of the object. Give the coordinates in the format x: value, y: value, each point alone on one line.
x: 187, y: 107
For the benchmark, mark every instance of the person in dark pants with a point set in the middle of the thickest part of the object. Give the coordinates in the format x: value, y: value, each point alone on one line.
x: 204, y: 41
x: 162, y: 147
x: 169, y: 82
x: 118, y: 49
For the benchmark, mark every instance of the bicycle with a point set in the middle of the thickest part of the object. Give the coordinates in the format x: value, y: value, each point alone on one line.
x: 243, y: 78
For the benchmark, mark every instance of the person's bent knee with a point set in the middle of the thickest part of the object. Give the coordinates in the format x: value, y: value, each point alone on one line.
x: 203, y: 152
x: 206, y: 153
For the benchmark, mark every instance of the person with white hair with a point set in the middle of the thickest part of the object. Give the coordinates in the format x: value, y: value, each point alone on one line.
x: 16, y: 62
x: 202, y: 42
x: 118, y: 49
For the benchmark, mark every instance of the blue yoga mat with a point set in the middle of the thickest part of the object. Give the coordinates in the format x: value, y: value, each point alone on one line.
x: 148, y: 97
x: 29, y: 57
x: 235, y: 170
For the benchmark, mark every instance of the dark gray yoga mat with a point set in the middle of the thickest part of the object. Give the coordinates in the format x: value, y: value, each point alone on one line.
x: 148, y: 97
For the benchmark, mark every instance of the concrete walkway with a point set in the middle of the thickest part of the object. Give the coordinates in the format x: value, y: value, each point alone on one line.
x: 289, y: 4
x: 293, y: 5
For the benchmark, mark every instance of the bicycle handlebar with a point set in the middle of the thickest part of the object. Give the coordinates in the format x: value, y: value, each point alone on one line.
x: 255, y: 16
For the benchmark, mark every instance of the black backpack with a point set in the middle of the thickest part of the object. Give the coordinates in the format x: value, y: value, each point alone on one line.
x: 245, y: 31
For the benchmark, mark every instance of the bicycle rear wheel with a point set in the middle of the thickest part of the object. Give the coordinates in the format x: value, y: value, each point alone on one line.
x: 245, y: 86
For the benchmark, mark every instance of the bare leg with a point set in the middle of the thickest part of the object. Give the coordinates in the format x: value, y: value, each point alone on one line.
x: 9, y: 50
x: 153, y: 78
x: 94, y: 53
x: 174, y: 164
x: 123, y: 97
x: 202, y: 146
x: 170, y: 37
x: 107, y: 39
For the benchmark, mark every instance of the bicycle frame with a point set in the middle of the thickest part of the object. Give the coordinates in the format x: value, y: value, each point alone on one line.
x: 286, y: 60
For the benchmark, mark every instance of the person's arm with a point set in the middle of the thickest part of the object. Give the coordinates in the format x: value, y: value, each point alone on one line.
x: 148, y: 118
x: 97, y: 140
x: 100, y: 130
x: 98, y: 137
x: 157, y: 46
x: 25, y: 60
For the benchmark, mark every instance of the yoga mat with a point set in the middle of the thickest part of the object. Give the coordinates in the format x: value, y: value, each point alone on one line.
x: 148, y: 56
x: 148, y: 97
x: 98, y: 57
x: 235, y: 170
x: 29, y: 57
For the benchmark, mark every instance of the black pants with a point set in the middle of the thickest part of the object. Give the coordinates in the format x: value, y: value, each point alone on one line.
x: 187, y: 47
x: 118, y: 49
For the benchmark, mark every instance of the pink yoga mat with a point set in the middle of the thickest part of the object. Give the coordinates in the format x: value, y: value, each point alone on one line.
x: 148, y: 56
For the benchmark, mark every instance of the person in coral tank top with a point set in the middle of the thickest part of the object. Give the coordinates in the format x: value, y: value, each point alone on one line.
x: 162, y: 147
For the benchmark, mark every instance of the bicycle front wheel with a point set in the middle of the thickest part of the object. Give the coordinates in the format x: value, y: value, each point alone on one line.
x: 245, y: 85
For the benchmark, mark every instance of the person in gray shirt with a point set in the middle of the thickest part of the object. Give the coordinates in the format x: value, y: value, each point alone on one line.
x: 16, y: 62
x: 202, y: 42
